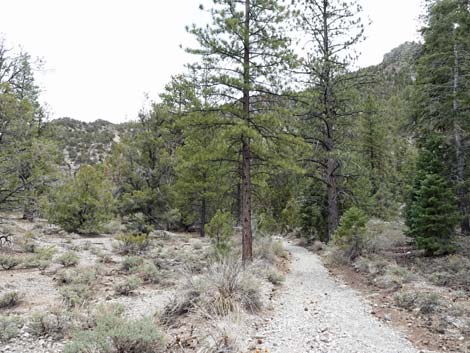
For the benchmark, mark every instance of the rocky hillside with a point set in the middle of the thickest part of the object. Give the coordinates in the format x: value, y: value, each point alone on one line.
x: 85, y: 143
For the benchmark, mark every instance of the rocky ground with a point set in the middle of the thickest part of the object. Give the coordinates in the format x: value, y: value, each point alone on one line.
x: 317, y: 313
x: 312, y: 311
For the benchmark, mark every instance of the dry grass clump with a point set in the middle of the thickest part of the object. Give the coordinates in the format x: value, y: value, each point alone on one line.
x: 54, y: 324
x: 9, y: 327
x: 384, y: 274
x: 275, y: 277
x: 77, y: 286
x: 127, y: 286
x: 9, y: 299
x: 450, y: 271
x: 131, y: 263
x: 9, y: 262
x: 384, y: 235
x: 111, y: 332
x: 132, y: 244
x: 426, y: 303
x: 225, y: 288
x: 68, y: 259
x: 269, y: 250
x: 149, y: 273
x: 83, y: 275
x: 220, y: 342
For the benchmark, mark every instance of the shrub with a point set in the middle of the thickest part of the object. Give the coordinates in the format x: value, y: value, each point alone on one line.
x: 275, y: 277
x: 278, y: 249
x: 406, y: 300
x: 112, y: 333
x: 34, y: 262
x: 9, y: 299
x: 127, y: 286
x: 76, y: 294
x: 149, y: 273
x: 267, y: 249
x: 8, y: 262
x: 350, y: 235
x: 220, y: 230
x: 45, y: 253
x: 54, y: 324
x: 69, y: 259
x: 179, y: 305
x: 263, y: 249
x: 84, y: 275
x: 223, y: 289
x: 84, y: 203
x: 427, y: 303
x: 9, y: 327
x: 28, y: 246
x: 132, y: 243
x: 131, y: 263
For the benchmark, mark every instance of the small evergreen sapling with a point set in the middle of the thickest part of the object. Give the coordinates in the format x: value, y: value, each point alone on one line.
x: 350, y: 235
x: 220, y: 230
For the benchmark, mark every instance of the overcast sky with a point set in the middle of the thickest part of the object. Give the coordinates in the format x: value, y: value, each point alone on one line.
x: 103, y: 56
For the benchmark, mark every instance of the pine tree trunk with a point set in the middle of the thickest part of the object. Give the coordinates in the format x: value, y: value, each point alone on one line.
x: 202, y: 231
x: 332, y: 193
x: 247, y: 236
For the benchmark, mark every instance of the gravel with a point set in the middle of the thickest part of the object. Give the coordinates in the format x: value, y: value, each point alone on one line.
x: 315, y: 313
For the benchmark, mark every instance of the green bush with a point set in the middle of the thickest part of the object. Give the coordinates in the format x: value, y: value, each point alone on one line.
x: 83, y: 275
x: 149, y: 273
x: 132, y: 243
x: 9, y: 327
x: 76, y: 294
x: 8, y: 262
x: 83, y: 204
x: 68, y: 259
x: 427, y: 303
x: 34, y: 261
x: 351, y: 233
x: 220, y: 230
x: 127, y: 286
x: 45, y: 253
x: 112, y: 333
x: 275, y: 277
x: 53, y: 324
x: 131, y: 263
x: 9, y: 299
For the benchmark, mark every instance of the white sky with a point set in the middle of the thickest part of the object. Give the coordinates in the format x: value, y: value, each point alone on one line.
x: 102, y: 56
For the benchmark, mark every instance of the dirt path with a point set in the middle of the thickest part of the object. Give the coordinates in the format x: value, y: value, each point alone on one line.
x: 315, y: 313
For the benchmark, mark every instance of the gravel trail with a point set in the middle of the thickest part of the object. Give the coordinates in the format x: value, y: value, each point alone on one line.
x: 314, y: 313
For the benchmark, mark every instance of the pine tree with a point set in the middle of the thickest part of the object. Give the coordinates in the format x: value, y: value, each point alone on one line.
x: 142, y: 168
x: 27, y: 159
x: 332, y: 28
x: 431, y: 213
x: 244, y: 51
x: 443, y: 84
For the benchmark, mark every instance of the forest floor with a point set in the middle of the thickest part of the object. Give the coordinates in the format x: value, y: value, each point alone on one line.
x: 301, y: 305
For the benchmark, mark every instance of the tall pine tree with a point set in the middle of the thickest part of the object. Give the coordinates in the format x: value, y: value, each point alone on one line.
x: 244, y: 51
x: 443, y: 84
